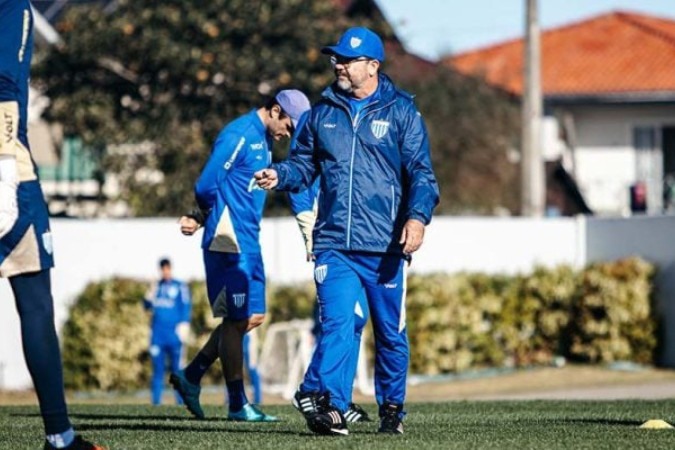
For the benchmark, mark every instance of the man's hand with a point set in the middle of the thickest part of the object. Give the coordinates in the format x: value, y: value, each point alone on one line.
x: 9, y: 209
x: 188, y: 225
x: 412, y: 236
x: 267, y: 179
x: 183, y: 331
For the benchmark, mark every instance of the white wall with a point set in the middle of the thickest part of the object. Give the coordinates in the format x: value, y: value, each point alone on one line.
x: 91, y: 250
x: 605, y: 157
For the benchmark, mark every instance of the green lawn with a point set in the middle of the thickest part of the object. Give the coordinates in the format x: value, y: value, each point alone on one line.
x: 540, y: 425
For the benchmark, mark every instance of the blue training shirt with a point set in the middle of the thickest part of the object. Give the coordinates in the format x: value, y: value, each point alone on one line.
x: 170, y: 303
x: 226, y: 187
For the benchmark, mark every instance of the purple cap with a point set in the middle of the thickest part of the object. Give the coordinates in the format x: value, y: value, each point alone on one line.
x: 357, y: 42
x: 294, y: 103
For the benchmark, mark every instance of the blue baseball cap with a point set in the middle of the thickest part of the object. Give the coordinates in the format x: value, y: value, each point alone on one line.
x: 294, y: 103
x: 357, y: 42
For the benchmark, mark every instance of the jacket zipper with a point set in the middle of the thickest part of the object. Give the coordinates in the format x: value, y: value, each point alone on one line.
x: 393, y: 200
x: 355, y: 126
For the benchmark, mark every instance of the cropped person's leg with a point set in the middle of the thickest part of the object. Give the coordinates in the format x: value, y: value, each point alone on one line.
x: 158, y: 357
x: 32, y: 293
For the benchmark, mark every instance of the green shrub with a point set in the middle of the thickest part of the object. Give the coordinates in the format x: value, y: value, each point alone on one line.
x: 614, y: 318
x: 602, y: 313
x: 106, y: 337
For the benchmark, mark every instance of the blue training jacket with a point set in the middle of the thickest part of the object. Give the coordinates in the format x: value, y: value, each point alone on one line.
x: 375, y: 169
x: 226, y: 187
x: 170, y: 304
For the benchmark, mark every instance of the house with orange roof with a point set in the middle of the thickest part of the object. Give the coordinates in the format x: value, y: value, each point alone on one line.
x: 609, y: 100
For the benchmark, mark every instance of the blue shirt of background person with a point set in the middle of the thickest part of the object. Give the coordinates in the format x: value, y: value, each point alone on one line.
x: 171, y: 306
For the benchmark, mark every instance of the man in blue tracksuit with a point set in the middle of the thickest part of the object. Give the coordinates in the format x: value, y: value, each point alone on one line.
x: 230, y: 209
x: 304, y: 205
x: 25, y: 239
x: 170, y: 304
x: 369, y: 145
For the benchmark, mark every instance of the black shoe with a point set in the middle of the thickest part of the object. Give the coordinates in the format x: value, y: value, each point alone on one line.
x: 306, y: 402
x: 356, y: 414
x: 327, y: 420
x: 390, y: 418
x: 77, y: 444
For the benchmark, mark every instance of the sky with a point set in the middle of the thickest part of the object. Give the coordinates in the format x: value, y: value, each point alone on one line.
x: 432, y: 28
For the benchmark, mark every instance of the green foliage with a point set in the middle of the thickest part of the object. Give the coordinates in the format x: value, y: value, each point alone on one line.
x: 106, y: 337
x: 148, y: 88
x: 615, y: 315
x: 472, y: 129
x: 293, y: 301
x: 170, y: 77
x: 455, y: 322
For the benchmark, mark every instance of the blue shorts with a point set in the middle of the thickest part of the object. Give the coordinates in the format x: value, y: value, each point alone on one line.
x: 27, y: 247
x: 235, y: 283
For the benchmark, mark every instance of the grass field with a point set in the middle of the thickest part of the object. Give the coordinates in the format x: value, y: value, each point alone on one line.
x: 457, y: 424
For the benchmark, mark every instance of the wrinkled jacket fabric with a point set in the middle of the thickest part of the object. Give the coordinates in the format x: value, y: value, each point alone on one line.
x: 375, y: 169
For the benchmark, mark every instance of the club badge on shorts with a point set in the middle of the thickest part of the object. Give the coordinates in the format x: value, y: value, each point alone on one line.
x: 239, y: 300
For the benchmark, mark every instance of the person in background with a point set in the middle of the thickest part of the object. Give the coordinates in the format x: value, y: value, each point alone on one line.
x: 170, y: 304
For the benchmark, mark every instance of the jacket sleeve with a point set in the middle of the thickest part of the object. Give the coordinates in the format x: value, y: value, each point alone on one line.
x: 186, y: 303
x: 304, y: 200
x: 150, y: 296
x: 223, y: 158
x: 422, y: 187
x: 299, y: 170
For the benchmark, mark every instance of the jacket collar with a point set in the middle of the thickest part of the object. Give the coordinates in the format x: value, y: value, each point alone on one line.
x: 257, y: 122
x: 386, y: 92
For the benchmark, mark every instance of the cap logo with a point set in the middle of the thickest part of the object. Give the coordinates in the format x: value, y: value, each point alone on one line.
x: 355, y: 42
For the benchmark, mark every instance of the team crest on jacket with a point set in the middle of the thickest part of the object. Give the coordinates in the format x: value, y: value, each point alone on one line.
x: 320, y: 273
x: 379, y: 128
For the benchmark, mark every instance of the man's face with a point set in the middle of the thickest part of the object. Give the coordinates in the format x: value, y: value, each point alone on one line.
x: 165, y: 270
x: 351, y: 74
x: 280, y: 125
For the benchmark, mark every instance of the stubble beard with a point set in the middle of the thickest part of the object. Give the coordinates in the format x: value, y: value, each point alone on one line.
x: 345, y: 84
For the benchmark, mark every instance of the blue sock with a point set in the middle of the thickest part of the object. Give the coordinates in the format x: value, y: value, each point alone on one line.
x: 198, y: 367
x: 61, y: 440
x: 32, y: 292
x: 236, y: 395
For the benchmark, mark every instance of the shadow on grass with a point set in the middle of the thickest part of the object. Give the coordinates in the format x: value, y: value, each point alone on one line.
x: 127, y: 417
x: 160, y: 427
x: 627, y: 423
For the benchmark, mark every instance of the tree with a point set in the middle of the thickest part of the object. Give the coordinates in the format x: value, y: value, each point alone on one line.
x: 473, y: 130
x: 149, y: 85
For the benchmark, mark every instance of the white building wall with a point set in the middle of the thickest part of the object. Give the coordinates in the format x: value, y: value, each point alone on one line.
x: 605, y: 157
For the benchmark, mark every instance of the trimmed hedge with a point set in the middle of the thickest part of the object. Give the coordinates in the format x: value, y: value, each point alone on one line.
x: 457, y: 322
